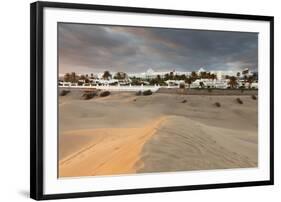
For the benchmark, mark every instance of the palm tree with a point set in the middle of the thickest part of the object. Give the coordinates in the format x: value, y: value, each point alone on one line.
x: 117, y: 76
x: 120, y: 75
x: 177, y: 77
x: 183, y: 77
x: 171, y: 75
x: 85, y: 78
x: 158, y: 79
x: 213, y: 76
x: 66, y: 77
x: 194, y: 75
x: 73, y: 77
x: 203, y: 75
x: 233, y: 82
x: 82, y: 77
x: 245, y: 72
x: 189, y: 81
x: 106, y: 75
x: 166, y: 77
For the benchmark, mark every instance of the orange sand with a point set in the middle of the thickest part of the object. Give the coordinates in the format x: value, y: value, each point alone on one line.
x: 112, y: 151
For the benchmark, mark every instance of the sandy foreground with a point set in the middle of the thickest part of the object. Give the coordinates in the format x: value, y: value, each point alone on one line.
x: 124, y: 133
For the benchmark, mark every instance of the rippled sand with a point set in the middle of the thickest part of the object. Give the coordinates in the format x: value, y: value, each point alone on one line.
x: 124, y: 133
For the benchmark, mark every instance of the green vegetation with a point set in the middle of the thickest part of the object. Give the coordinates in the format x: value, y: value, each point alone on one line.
x: 71, y: 77
x: 233, y: 82
x: 106, y: 75
x: 74, y: 78
x: 158, y: 81
x: 120, y: 75
x: 240, y: 80
x: 194, y: 75
x: 188, y: 81
x: 136, y: 81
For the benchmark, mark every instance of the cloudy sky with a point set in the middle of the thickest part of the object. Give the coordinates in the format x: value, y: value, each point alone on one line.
x: 87, y: 48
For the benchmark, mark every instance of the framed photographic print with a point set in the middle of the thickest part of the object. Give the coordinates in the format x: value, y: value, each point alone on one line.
x: 136, y: 100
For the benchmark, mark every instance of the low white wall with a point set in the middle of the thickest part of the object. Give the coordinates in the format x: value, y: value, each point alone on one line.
x: 117, y: 88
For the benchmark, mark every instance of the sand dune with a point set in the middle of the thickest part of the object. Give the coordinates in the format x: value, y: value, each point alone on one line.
x: 124, y: 133
x: 182, y: 144
x: 113, y: 151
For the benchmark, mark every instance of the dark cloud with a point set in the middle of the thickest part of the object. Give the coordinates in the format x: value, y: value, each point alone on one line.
x: 95, y: 48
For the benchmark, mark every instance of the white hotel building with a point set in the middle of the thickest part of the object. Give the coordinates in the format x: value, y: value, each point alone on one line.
x: 150, y: 73
x: 219, y: 82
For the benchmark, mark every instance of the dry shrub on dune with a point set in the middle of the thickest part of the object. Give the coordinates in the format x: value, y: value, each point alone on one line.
x: 254, y: 97
x: 239, y: 101
x: 138, y: 93
x: 89, y: 95
x: 218, y: 104
x: 104, y: 93
x: 64, y: 92
x: 147, y: 92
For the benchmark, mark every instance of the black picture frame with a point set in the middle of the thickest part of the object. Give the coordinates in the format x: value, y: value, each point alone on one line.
x: 36, y: 98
